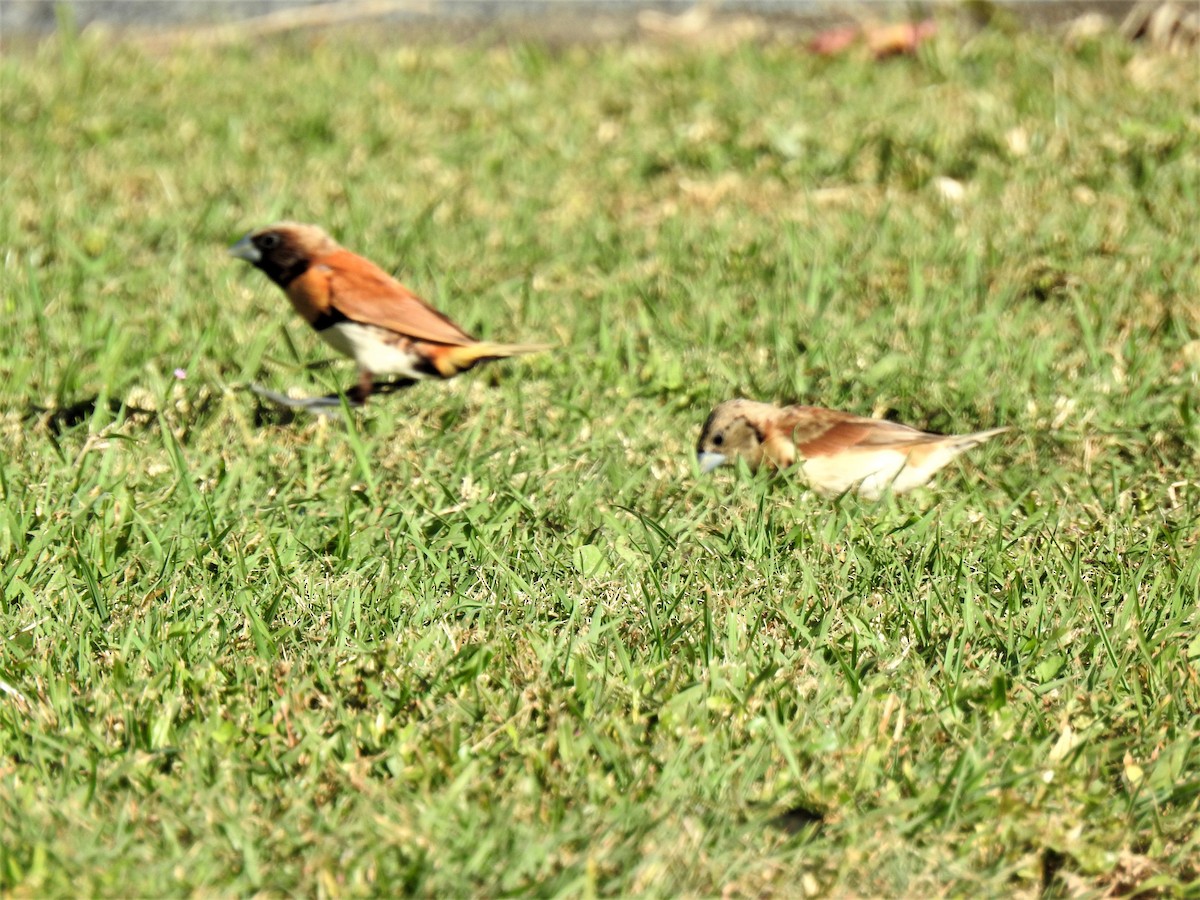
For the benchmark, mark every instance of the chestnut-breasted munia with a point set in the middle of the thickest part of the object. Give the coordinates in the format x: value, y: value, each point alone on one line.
x: 362, y: 311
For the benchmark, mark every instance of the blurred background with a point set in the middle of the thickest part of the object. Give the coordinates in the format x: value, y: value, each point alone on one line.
x: 574, y: 19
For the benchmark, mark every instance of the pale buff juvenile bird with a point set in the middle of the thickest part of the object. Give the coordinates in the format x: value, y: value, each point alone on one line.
x: 837, y: 452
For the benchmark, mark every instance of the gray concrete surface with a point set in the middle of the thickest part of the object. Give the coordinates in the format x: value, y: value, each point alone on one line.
x: 32, y: 17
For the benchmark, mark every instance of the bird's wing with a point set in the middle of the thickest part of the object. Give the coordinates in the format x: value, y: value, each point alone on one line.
x: 824, y: 432
x: 364, y: 293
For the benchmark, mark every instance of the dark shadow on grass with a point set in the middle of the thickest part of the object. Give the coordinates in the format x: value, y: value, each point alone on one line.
x: 63, y: 418
x: 1052, y: 863
x: 804, y: 818
x: 272, y: 408
x: 275, y: 408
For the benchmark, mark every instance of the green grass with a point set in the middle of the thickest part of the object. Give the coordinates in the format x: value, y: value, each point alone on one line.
x: 495, y: 636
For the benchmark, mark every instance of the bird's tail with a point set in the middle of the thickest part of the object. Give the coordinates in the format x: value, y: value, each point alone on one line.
x: 967, y: 441
x: 450, y: 360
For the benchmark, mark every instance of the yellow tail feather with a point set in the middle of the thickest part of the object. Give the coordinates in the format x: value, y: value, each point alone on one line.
x: 458, y: 359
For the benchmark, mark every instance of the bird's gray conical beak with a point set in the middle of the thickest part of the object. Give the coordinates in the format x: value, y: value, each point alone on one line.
x: 709, y: 461
x: 243, y: 249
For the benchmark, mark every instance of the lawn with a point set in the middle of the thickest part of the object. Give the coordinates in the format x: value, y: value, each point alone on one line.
x: 496, y: 635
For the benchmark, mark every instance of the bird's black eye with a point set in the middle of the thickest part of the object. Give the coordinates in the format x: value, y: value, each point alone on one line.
x: 718, y: 440
x: 268, y: 241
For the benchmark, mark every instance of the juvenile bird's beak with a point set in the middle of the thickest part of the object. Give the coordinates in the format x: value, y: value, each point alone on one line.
x: 709, y: 461
x: 243, y: 249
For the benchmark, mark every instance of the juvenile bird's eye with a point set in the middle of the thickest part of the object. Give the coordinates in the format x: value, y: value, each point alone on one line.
x: 269, y: 241
x: 718, y: 440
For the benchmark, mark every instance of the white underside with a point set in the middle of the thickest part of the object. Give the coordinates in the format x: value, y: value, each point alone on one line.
x: 365, y: 345
x: 871, y: 473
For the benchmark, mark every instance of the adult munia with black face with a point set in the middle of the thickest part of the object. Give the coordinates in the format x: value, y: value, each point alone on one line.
x: 362, y: 311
